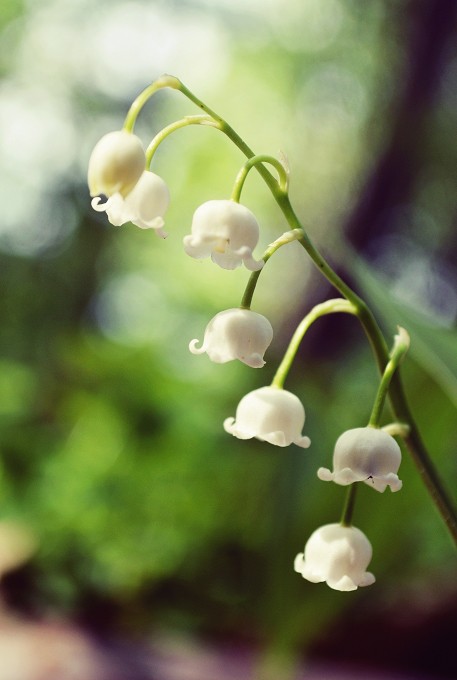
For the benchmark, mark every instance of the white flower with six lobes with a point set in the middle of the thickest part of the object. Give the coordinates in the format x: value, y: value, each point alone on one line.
x: 338, y: 555
x: 270, y: 414
x: 236, y: 334
x: 225, y: 231
x: 365, y: 454
x: 144, y: 205
x: 116, y: 164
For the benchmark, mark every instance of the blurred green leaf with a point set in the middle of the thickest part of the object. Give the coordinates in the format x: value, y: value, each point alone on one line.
x: 17, y: 386
x: 433, y: 346
x: 9, y: 10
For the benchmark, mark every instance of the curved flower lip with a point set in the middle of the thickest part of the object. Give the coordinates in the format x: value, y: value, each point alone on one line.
x: 276, y: 437
x: 365, y: 454
x: 253, y: 360
x: 144, y: 206
x: 230, y: 259
x: 236, y: 334
x: 270, y: 414
x: 200, y: 247
x: 227, y: 232
x: 337, y: 555
x: 347, y: 476
x: 345, y: 583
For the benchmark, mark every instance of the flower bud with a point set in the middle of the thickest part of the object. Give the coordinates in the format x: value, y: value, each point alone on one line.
x: 116, y: 164
x: 236, y: 334
x: 270, y: 414
x: 338, y: 555
x: 225, y: 231
x: 365, y: 454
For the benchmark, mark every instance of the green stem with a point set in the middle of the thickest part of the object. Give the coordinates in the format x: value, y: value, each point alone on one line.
x: 401, y: 346
x: 255, y: 160
x: 177, y: 125
x: 348, y: 509
x: 381, y: 394
x: 287, y: 237
x: 328, y: 307
x: 397, y: 397
x: 230, y: 132
x: 140, y: 101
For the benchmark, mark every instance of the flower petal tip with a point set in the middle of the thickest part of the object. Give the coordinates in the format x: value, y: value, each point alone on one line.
x: 252, y: 264
x: 298, y: 563
x: 194, y: 349
x: 254, y: 361
x: 325, y: 475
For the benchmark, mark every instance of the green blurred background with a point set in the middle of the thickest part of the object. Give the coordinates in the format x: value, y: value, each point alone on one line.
x: 147, y: 517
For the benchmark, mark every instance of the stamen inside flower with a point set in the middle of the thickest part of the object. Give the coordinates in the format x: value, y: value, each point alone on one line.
x: 222, y: 246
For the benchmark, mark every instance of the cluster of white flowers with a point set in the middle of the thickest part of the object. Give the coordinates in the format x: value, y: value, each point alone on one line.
x: 228, y: 233
x: 117, y: 170
x: 340, y: 554
x: 223, y: 230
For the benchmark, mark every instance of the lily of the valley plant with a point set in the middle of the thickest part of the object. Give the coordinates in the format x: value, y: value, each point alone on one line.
x: 123, y: 185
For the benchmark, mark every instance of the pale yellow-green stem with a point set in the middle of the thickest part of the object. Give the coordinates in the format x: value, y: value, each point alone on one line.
x: 328, y: 307
x: 177, y: 125
x: 283, y: 183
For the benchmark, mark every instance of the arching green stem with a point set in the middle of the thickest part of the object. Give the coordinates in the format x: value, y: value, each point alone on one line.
x: 328, y: 307
x: 256, y: 160
x: 143, y: 97
x: 287, y: 237
x: 400, y: 347
x: 177, y: 125
x: 227, y: 130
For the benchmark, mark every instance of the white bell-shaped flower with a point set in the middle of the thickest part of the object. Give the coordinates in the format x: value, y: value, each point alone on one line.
x: 116, y: 164
x: 144, y: 206
x: 271, y: 414
x: 225, y: 231
x: 236, y: 334
x: 365, y: 454
x: 338, y: 555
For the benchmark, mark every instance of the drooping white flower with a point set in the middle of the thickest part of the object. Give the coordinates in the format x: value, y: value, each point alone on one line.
x: 338, y: 555
x: 225, y: 231
x: 236, y: 334
x: 145, y: 205
x: 365, y: 454
x: 270, y: 414
x: 116, y: 164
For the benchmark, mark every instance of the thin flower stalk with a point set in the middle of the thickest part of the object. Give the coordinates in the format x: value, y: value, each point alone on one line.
x: 328, y: 307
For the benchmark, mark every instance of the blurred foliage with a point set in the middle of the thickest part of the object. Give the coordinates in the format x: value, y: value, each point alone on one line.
x: 9, y: 10
x: 112, y: 441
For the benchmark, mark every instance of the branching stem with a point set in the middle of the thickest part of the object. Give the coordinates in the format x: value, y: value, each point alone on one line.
x: 397, y: 396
